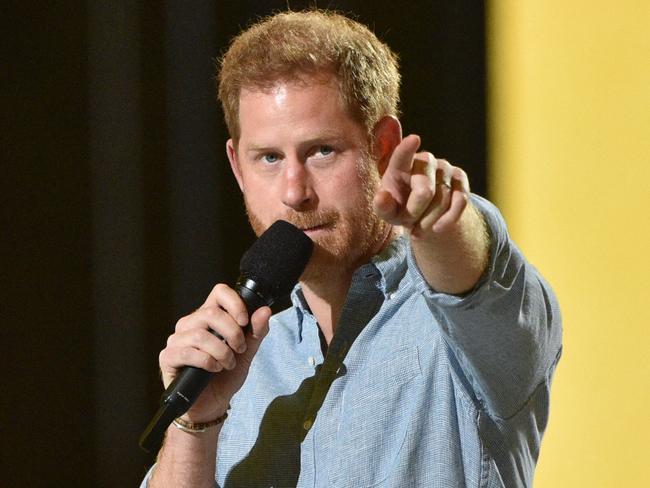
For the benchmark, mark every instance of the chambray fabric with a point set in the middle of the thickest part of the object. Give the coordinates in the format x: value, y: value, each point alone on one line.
x: 418, y: 388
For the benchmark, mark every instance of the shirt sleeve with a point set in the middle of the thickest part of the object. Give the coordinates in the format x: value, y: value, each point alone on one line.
x: 506, y: 333
x: 145, y: 481
x: 147, y: 478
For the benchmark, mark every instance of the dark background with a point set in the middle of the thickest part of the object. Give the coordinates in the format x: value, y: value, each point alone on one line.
x: 119, y: 212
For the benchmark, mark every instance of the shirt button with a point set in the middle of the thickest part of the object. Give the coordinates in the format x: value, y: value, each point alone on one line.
x: 306, y: 424
x: 311, y: 360
x: 391, y: 295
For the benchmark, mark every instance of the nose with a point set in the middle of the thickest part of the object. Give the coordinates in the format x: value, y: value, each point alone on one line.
x: 297, y: 191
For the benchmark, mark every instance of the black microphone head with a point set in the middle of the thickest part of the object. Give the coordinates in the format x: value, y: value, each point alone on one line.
x: 277, y: 258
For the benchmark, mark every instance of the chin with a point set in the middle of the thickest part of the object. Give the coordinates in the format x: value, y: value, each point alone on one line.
x: 322, y: 265
x: 331, y: 260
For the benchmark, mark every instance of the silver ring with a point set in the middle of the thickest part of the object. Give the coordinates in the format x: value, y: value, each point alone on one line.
x: 443, y: 183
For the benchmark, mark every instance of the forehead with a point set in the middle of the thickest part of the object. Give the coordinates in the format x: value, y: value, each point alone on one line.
x: 297, y: 106
x: 299, y: 81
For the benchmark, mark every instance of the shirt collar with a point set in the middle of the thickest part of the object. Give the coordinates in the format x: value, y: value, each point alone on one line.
x: 389, y: 266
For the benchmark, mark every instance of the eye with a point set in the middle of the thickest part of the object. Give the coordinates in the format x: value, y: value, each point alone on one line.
x: 323, y: 154
x: 270, y: 158
x: 325, y: 150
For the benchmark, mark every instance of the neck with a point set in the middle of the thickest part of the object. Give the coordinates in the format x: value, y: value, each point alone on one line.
x: 326, y: 301
x: 326, y: 296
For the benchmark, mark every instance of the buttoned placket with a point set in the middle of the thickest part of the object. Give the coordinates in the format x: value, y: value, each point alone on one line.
x: 323, y: 414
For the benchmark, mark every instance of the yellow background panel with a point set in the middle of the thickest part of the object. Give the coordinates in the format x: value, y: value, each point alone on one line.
x: 569, y: 132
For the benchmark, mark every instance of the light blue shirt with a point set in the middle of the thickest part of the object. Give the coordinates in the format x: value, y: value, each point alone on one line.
x: 418, y: 388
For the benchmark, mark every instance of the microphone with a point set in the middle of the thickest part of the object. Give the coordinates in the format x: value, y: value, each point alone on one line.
x: 268, y: 271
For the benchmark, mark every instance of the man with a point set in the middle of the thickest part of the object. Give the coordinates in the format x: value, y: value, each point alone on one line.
x: 420, y: 345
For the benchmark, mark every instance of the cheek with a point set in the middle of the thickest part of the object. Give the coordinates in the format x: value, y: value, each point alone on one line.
x: 260, y: 196
x: 348, y: 188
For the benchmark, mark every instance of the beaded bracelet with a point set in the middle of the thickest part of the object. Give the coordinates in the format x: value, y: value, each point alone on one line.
x: 198, y: 427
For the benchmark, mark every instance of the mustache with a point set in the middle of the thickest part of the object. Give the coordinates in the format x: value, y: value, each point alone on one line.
x: 311, y: 219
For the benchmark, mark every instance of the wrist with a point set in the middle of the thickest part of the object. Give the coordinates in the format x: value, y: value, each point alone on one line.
x: 199, y: 413
x: 190, y: 424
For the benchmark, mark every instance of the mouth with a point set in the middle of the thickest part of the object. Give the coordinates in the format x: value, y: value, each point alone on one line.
x: 313, y: 230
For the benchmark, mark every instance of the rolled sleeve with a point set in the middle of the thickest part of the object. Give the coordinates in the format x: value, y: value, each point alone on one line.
x: 506, y: 332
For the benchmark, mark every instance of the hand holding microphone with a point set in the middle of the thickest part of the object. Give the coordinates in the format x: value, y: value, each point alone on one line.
x: 199, y: 367
x: 209, y: 339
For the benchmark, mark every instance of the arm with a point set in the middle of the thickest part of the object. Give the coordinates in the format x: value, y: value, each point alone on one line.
x: 429, y: 198
x: 188, y: 459
x: 506, y: 333
x: 498, y: 314
x: 453, y: 260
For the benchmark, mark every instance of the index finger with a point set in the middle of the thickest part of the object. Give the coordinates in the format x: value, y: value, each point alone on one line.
x: 228, y: 299
x: 402, y: 158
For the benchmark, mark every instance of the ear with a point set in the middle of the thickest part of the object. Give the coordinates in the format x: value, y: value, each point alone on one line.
x: 231, y: 150
x: 387, y: 134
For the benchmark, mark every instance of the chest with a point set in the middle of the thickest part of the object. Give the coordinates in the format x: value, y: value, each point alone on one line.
x: 357, y: 417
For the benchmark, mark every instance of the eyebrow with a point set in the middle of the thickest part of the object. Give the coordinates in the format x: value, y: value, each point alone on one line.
x: 333, y: 136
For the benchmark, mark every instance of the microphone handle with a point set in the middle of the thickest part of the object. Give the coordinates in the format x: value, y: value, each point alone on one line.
x: 183, y: 391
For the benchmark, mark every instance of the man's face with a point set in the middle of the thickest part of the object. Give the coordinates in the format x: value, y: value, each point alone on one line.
x: 302, y: 158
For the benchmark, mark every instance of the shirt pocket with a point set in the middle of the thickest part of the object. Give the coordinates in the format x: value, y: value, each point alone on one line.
x: 375, y: 414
